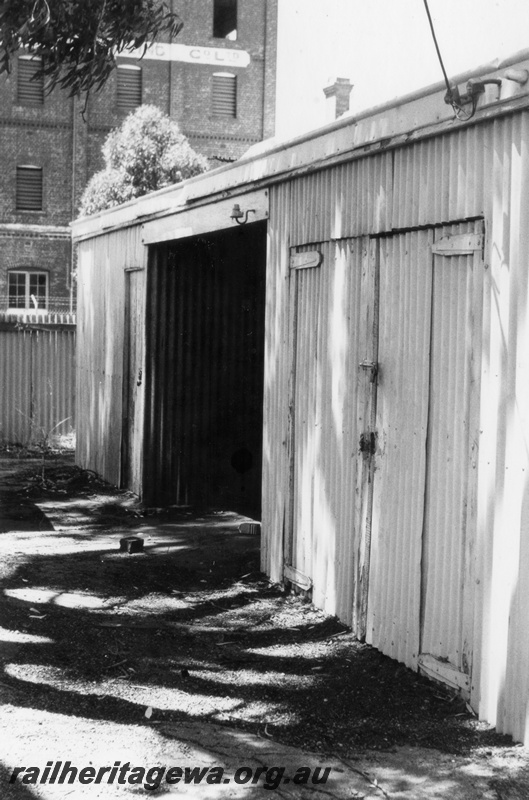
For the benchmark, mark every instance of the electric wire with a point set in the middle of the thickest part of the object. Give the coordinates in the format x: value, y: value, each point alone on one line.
x: 439, y: 56
x: 459, y: 111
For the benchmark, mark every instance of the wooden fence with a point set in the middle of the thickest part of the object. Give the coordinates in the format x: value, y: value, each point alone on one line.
x: 37, y: 377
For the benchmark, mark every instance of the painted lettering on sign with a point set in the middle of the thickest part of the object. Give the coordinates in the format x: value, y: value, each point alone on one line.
x: 217, y: 56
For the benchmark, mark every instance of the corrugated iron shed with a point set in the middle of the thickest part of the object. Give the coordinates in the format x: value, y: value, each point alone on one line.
x: 395, y: 440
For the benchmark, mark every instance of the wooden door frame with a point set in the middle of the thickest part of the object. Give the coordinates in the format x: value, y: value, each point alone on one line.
x: 297, y: 260
x: 126, y: 387
x: 366, y: 409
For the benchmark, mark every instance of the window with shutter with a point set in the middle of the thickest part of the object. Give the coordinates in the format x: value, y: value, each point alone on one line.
x: 27, y: 289
x: 30, y: 90
x: 224, y: 95
x: 225, y: 19
x: 29, y: 188
x: 129, y: 88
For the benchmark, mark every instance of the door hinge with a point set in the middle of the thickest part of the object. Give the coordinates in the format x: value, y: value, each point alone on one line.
x: 311, y: 258
x: 459, y: 244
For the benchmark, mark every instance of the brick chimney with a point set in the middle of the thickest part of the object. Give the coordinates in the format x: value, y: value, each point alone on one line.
x: 337, y: 96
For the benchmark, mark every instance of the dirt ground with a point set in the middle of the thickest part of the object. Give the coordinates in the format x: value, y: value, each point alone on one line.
x: 189, y: 631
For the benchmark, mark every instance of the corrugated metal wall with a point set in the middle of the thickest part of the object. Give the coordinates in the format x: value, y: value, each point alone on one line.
x: 436, y: 181
x: 349, y: 200
x: 101, y: 337
x: 478, y: 171
x: 204, y: 370
x: 503, y: 497
x: 276, y: 430
x: 37, y: 381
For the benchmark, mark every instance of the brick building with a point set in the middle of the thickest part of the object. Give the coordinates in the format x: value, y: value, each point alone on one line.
x: 217, y: 80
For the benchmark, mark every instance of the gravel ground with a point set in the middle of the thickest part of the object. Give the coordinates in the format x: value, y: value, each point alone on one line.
x: 189, y: 630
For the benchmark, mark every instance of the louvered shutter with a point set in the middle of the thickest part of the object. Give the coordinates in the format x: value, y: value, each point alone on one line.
x: 29, y: 189
x: 224, y: 95
x: 30, y: 91
x: 129, y: 88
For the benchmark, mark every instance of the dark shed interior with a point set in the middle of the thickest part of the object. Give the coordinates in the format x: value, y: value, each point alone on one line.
x: 204, y: 370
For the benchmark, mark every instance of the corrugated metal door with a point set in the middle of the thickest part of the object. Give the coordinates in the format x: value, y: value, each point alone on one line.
x: 393, y: 617
x: 423, y: 513
x: 451, y: 456
x: 305, y: 394
x: 332, y: 350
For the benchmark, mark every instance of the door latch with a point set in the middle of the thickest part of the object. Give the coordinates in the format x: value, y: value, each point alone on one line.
x: 372, y: 367
x: 368, y: 443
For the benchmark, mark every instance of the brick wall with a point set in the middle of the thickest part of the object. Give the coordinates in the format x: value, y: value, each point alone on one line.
x: 55, y: 137
x: 47, y: 252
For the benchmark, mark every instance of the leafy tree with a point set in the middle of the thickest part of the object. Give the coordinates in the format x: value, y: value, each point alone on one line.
x: 78, y: 40
x: 147, y: 152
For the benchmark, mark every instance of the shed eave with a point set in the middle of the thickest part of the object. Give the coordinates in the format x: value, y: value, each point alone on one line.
x: 416, y: 115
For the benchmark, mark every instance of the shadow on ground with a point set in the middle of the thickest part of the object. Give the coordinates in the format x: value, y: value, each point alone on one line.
x: 190, y: 630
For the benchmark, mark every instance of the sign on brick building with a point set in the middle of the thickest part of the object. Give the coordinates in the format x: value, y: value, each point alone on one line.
x: 191, y: 54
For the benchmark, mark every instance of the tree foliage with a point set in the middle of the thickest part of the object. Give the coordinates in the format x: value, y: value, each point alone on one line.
x: 78, y: 40
x: 147, y: 152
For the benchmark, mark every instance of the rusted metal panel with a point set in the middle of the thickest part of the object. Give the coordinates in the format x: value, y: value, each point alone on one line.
x: 37, y: 380
x: 101, y: 315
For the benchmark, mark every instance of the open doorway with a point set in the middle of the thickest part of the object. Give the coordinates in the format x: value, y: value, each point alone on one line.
x: 204, y: 370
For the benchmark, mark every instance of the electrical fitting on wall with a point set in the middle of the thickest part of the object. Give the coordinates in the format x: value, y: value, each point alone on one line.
x: 239, y: 216
x: 465, y: 103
